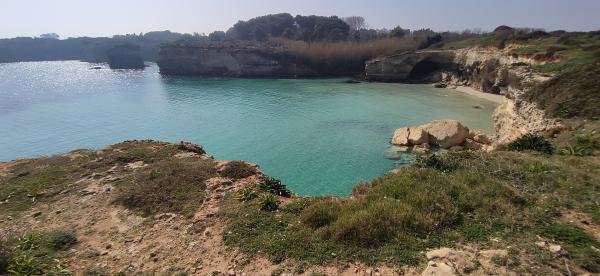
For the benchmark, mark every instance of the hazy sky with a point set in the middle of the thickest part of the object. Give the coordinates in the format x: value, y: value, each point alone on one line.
x: 108, y: 17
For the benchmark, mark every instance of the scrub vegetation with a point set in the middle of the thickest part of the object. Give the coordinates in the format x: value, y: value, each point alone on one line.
x: 440, y: 200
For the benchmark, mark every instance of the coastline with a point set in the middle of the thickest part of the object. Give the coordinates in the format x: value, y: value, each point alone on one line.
x: 499, y: 99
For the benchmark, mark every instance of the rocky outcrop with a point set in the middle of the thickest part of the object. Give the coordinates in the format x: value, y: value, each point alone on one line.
x: 409, y: 66
x: 487, y: 69
x: 447, y: 134
x: 228, y: 61
x: 126, y: 56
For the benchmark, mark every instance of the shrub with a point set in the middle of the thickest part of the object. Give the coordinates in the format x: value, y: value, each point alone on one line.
x: 532, y: 142
x: 321, y: 213
x: 274, y: 186
x: 238, y: 170
x: 269, y: 203
x: 4, y: 257
x: 246, y: 194
x: 434, y: 162
x: 59, y: 240
x: 587, y: 144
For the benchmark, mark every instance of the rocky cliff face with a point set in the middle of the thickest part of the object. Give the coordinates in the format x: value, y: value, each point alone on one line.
x: 126, y: 56
x: 225, y: 61
x: 486, y: 69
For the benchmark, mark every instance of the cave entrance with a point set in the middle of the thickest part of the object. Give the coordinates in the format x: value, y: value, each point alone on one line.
x: 425, y: 71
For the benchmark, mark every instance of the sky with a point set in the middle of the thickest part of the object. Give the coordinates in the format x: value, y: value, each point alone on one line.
x: 72, y: 18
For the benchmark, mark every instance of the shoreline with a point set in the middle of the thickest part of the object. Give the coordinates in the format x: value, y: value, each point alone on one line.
x: 498, y: 99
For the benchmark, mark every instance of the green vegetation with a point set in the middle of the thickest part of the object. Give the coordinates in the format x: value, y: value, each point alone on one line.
x: 573, y: 93
x: 164, y: 184
x: 274, y: 186
x: 238, y: 170
x: 172, y: 185
x: 246, y: 194
x: 532, y: 142
x: 268, y: 202
x: 441, y: 200
x: 37, y: 253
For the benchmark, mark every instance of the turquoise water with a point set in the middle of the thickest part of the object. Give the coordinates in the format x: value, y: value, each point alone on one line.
x: 319, y: 136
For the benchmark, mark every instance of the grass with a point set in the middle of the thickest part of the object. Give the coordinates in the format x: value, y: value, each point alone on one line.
x: 168, y: 186
x: 458, y: 198
x: 238, y: 170
x: 37, y: 181
x: 36, y: 253
x: 572, y: 93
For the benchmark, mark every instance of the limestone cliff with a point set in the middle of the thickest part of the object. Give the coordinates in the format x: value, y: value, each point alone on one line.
x: 224, y: 61
x: 487, y: 69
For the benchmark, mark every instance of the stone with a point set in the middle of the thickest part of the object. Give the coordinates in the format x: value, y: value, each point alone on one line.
x: 555, y: 248
x: 446, y: 133
x: 440, y: 85
x: 36, y: 214
x: 494, y: 253
x: 422, y: 148
x: 188, y: 146
x: 456, y: 148
x: 481, y: 138
x: 400, y: 137
x: 395, y: 152
x: 440, y: 253
x: 417, y: 135
x: 231, y: 272
x: 438, y: 269
x: 472, y: 145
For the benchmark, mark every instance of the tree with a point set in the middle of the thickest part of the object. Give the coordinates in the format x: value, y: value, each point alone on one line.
x: 397, y: 32
x: 356, y: 23
x: 50, y: 36
x: 217, y: 36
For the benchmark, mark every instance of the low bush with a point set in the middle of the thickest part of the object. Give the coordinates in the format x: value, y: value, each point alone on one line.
x: 59, y: 240
x: 268, y: 202
x: 532, y: 142
x: 246, y: 194
x: 238, y: 170
x: 321, y: 213
x: 274, y: 186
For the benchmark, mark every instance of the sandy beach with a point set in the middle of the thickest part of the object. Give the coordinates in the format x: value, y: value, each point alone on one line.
x: 499, y: 99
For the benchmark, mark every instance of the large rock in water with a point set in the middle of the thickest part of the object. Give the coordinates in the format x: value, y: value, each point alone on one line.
x: 400, y: 137
x: 446, y: 133
x: 408, y: 136
x: 126, y: 56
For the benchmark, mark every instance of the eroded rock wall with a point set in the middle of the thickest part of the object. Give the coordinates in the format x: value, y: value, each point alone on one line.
x: 486, y: 69
x: 227, y: 62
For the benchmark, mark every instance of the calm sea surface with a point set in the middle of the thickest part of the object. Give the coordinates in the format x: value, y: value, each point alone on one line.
x: 318, y: 136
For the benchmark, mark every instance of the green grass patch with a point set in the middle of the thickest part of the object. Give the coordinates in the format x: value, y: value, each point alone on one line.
x: 460, y: 197
x: 37, y: 253
x: 171, y: 185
